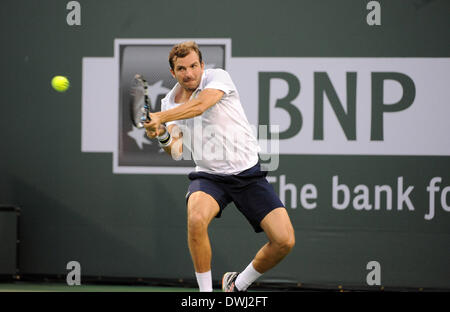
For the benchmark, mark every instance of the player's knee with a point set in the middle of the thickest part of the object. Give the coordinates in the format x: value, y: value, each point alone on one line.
x: 290, y: 242
x: 286, y: 243
x: 197, y: 219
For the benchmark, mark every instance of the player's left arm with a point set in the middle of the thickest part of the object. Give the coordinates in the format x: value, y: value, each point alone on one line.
x: 192, y: 108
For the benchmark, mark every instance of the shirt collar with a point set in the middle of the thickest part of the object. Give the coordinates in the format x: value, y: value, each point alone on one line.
x: 202, y: 81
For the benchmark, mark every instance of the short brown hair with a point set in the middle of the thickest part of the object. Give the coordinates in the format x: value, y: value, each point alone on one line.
x: 182, y: 49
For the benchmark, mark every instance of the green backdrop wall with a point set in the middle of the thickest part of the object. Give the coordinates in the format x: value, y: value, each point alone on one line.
x: 126, y: 225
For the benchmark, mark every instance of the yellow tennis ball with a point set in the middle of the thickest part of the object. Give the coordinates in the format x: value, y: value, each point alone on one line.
x: 60, y: 83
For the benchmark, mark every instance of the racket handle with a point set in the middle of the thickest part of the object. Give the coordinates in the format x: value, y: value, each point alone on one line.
x: 146, y: 117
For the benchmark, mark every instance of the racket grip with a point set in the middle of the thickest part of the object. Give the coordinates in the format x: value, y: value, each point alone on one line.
x: 145, y: 116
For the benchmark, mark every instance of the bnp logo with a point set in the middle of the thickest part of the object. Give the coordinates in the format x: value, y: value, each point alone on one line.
x: 344, y: 111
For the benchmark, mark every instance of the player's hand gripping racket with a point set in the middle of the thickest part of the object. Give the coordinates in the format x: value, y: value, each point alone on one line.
x: 140, y: 102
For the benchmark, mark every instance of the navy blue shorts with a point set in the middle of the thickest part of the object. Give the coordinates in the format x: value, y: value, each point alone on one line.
x: 249, y: 190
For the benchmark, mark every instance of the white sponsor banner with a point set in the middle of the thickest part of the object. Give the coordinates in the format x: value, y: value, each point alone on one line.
x: 423, y: 128
x: 336, y: 106
x: 99, y: 105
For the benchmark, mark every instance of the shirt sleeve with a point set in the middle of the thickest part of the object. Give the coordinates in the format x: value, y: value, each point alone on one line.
x: 220, y: 79
x: 165, y: 107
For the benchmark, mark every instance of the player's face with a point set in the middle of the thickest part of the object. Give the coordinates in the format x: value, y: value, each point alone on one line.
x: 188, y: 71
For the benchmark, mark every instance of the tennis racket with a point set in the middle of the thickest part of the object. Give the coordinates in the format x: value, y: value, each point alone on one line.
x: 140, y: 102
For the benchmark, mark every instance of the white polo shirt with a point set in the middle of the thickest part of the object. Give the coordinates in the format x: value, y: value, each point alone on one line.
x: 221, y: 140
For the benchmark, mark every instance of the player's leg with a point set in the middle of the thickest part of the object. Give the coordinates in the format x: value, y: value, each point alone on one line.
x: 201, y: 209
x: 280, y: 233
x: 256, y: 199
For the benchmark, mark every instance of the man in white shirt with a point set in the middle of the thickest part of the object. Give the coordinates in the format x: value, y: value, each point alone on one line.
x: 203, y: 113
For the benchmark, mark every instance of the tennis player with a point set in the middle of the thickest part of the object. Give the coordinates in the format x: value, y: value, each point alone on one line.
x: 208, y: 100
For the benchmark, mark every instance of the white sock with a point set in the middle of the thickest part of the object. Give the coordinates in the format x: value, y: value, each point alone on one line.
x: 246, y: 277
x: 204, y: 281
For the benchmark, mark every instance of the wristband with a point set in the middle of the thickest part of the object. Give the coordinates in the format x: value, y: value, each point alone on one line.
x: 165, y: 139
x: 161, y: 144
